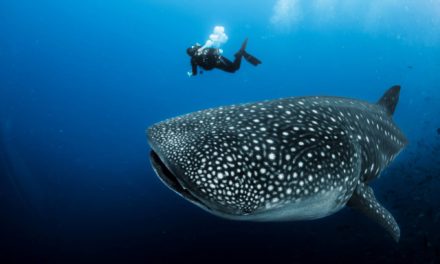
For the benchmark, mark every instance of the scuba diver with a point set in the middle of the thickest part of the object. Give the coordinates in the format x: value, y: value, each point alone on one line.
x: 209, y: 56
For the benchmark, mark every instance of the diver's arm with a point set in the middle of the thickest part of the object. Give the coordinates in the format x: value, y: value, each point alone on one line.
x: 193, y: 67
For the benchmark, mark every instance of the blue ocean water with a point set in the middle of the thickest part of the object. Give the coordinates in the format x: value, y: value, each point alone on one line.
x: 80, y: 81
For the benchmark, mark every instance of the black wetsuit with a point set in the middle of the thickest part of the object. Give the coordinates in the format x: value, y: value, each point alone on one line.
x: 210, y: 58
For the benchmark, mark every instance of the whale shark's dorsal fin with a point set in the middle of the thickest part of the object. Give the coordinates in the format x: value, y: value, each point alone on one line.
x: 363, y: 199
x: 390, y: 99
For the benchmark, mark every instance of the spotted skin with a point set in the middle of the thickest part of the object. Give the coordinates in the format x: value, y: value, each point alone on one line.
x: 288, y: 159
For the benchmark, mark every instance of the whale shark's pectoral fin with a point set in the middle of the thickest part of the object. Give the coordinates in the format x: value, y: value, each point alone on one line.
x: 363, y: 199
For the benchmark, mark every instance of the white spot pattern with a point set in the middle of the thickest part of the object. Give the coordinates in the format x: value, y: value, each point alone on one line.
x: 245, y: 159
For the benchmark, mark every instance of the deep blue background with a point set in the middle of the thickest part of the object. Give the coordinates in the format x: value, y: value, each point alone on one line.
x: 80, y: 81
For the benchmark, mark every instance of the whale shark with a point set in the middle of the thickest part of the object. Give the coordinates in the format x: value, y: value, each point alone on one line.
x: 296, y: 158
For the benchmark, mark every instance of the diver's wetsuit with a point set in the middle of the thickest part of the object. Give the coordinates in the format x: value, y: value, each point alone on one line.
x: 210, y: 58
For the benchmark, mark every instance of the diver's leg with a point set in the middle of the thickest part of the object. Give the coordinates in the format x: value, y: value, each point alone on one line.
x: 228, y: 66
x: 237, y: 61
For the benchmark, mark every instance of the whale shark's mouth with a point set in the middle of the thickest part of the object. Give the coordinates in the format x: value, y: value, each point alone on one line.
x: 170, y: 179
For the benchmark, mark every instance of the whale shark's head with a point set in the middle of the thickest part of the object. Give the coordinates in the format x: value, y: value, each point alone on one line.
x: 201, y: 166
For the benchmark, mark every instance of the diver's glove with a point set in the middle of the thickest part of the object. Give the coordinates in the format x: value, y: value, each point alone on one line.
x: 189, y: 73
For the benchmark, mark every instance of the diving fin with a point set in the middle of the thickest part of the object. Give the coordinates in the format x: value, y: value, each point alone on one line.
x: 248, y: 57
x: 242, y: 51
x: 251, y: 59
x: 243, y: 46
